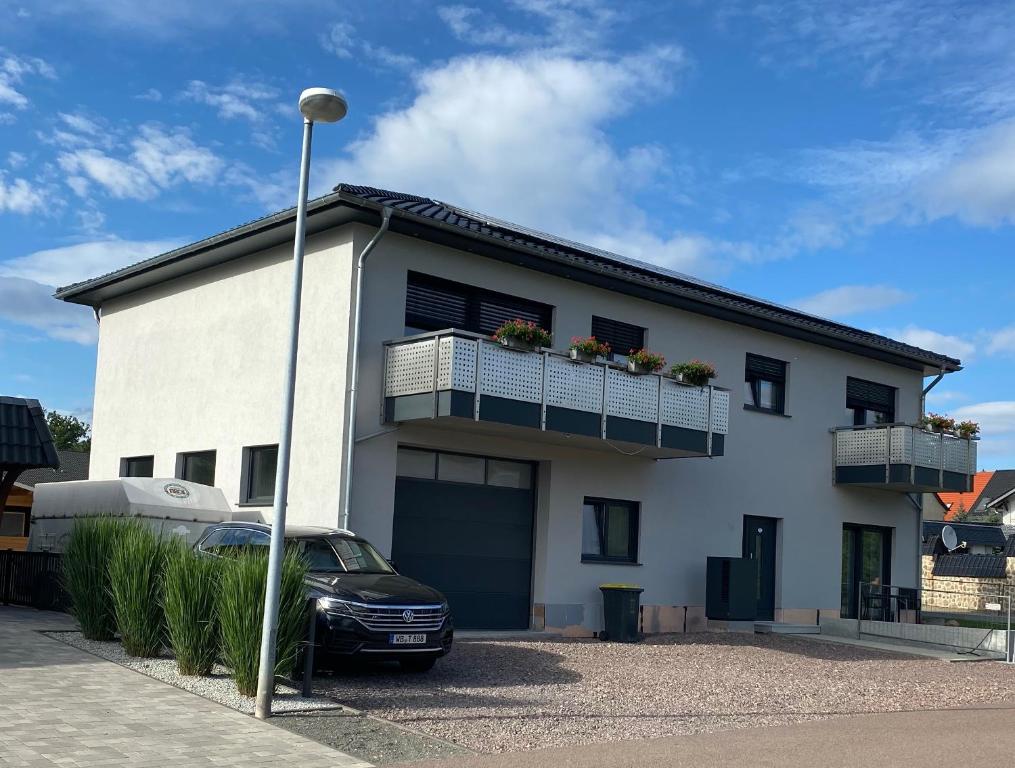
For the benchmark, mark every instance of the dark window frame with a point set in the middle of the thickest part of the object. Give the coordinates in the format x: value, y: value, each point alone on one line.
x: 861, y: 407
x: 619, y: 328
x: 126, y: 461
x: 473, y: 298
x: 437, y: 452
x: 181, y: 465
x: 634, y: 530
x: 856, y: 530
x: 247, y: 478
x: 763, y: 370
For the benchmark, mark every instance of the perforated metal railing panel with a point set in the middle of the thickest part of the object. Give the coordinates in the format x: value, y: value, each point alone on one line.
x: 684, y: 406
x: 630, y: 396
x: 409, y: 368
x: 574, y: 385
x: 511, y: 374
x: 457, y: 364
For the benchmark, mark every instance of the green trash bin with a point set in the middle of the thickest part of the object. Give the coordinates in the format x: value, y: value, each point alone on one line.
x: 620, y: 612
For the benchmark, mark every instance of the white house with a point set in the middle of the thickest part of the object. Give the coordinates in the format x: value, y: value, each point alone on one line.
x: 518, y: 482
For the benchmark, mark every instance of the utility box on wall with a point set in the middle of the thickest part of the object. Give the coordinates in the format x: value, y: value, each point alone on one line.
x: 731, y: 585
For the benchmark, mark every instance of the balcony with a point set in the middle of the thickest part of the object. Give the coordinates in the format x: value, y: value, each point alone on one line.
x: 464, y: 380
x: 902, y: 457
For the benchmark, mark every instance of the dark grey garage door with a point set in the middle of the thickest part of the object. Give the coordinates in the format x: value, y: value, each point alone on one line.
x: 463, y: 525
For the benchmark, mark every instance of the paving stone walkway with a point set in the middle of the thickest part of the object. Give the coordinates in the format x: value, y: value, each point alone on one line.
x: 62, y: 706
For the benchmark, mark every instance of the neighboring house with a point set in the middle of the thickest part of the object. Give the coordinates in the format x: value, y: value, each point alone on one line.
x: 17, y: 514
x: 518, y: 482
x: 991, y: 499
x: 26, y: 445
x: 969, y: 577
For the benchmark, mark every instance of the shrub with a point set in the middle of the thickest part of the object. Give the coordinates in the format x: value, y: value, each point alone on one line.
x: 135, y: 581
x: 695, y: 372
x: 524, y: 330
x: 86, y: 575
x: 189, y: 590
x: 241, y: 612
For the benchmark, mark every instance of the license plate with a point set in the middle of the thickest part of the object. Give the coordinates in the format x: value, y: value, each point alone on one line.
x: 408, y: 639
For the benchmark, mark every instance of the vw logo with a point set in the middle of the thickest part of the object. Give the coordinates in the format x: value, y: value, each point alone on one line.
x: 408, y: 616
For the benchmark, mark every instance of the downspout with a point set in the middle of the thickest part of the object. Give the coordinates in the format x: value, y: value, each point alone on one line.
x: 353, y: 373
x: 917, y: 500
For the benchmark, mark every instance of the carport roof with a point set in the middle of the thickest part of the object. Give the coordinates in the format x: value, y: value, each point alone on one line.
x: 25, y: 440
x: 971, y: 566
x: 469, y: 231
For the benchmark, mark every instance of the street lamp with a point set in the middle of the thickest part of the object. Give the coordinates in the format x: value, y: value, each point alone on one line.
x: 326, y: 106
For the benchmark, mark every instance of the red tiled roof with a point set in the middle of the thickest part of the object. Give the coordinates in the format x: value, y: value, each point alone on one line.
x: 954, y: 501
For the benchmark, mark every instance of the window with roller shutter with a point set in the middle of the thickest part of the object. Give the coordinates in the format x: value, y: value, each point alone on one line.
x: 622, y: 337
x: 868, y: 402
x: 433, y: 304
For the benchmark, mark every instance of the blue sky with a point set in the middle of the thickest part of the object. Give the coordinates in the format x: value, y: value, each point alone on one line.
x: 854, y: 159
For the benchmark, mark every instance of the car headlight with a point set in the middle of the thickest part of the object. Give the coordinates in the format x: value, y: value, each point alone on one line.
x: 445, y: 608
x: 334, y: 605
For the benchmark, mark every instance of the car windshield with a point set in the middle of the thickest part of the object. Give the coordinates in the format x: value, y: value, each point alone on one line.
x: 337, y: 554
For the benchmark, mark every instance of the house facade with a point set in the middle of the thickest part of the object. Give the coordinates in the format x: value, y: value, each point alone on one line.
x: 515, y: 481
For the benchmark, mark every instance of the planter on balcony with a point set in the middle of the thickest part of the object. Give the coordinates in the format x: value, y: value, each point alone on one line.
x: 467, y: 381
x: 639, y: 369
x: 582, y: 357
x: 519, y: 345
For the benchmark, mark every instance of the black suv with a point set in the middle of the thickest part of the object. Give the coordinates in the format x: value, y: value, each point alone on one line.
x: 365, y: 609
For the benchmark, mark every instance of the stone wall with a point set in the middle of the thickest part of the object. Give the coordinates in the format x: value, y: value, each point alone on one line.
x: 963, y: 593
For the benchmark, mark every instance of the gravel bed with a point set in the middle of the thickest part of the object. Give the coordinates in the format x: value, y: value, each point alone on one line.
x: 500, y: 696
x: 218, y: 687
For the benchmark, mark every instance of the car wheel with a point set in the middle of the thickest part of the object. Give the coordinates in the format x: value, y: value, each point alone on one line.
x: 424, y: 664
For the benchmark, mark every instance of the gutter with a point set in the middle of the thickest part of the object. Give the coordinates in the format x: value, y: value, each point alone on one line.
x: 352, y: 372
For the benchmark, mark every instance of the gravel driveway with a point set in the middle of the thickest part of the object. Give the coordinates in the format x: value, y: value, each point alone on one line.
x: 499, y: 696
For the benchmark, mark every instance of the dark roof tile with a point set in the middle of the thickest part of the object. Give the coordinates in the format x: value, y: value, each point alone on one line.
x: 971, y: 533
x: 971, y: 566
x: 25, y: 441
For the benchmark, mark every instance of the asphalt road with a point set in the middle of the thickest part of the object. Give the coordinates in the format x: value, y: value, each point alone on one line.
x: 969, y: 736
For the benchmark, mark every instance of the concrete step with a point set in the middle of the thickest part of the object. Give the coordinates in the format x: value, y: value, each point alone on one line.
x: 779, y: 628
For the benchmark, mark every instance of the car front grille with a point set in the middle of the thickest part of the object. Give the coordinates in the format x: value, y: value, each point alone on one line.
x: 424, y: 618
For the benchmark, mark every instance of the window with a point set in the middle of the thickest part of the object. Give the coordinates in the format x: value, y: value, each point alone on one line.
x: 137, y: 466
x: 338, y: 554
x: 12, y: 523
x: 463, y: 468
x: 765, y: 384
x: 197, y: 467
x: 869, y: 403
x: 609, y: 531
x: 257, y: 480
x: 622, y: 337
x: 433, y: 304
x: 866, y: 559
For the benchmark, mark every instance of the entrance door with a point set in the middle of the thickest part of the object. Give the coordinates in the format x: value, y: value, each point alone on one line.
x: 463, y: 525
x: 866, y: 558
x: 759, y: 545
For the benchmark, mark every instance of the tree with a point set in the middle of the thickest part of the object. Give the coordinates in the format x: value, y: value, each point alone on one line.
x: 69, y: 432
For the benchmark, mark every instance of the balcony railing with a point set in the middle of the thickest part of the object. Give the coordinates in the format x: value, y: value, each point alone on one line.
x: 903, y: 457
x: 458, y: 377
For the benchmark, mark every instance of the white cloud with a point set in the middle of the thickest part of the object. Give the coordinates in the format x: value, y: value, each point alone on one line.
x: 849, y: 300
x: 997, y: 425
x: 74, y: 263
x: 1001, y: 342
x: 20, y: 196
x: 152, y: 94
x: 29, y: 303
x: 565, y: 26
x: 160, y: 159
x: 14, y: 70
x: 238, y: 99
x: 533, y: 149
x: 16, y: 159
x: 953, y: 346
x: 342, y: 41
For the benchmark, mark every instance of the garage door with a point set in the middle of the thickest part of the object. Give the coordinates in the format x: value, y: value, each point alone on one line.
x: 463, y: 525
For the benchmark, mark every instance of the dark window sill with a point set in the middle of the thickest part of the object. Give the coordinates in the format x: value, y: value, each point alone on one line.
x: 607, y: 561
x: 255, y: 503
x: 769, y: 411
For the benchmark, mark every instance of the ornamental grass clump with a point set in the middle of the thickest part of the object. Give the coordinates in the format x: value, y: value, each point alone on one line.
x: 190, y: 588
x: 86, y: 575
x: 240, y: 607
x: 135, y: 581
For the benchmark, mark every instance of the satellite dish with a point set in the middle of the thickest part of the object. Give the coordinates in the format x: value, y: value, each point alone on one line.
x: 949, y: 538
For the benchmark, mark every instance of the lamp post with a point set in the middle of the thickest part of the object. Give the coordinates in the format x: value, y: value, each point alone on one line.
x: 325, y: 106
